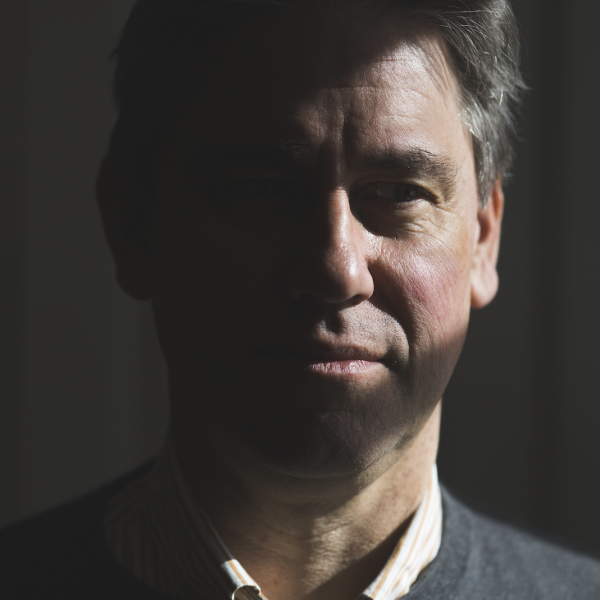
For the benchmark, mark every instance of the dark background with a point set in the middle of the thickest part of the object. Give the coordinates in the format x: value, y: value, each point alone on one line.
x: 82, y: 386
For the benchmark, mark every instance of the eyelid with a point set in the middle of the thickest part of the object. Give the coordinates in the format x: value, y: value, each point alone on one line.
x: 427, y: 193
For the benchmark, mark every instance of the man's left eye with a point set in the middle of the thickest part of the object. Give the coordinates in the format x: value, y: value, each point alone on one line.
x: 398, y: 192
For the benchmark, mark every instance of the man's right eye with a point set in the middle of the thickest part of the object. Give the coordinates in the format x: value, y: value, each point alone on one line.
x: 264, y: 190
x: 263, y: 199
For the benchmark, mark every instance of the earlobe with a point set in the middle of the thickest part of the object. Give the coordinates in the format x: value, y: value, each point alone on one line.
x: 484, y: 274
x: 121, y: 211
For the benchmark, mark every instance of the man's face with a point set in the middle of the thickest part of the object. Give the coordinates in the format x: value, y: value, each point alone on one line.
x: 313, y: 243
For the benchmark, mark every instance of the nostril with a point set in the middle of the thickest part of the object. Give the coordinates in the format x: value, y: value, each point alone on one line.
x: 357, y: 300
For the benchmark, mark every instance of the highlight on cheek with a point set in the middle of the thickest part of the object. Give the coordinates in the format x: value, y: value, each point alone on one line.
x: 435, y: 282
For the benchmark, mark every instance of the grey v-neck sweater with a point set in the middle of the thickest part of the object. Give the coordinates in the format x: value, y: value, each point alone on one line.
x: 61, y: 554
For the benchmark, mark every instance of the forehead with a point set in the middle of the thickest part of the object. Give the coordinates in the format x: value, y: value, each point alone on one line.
x: 316, y: 80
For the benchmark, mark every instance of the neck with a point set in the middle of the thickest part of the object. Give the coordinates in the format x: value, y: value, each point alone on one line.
x: 311, y: 539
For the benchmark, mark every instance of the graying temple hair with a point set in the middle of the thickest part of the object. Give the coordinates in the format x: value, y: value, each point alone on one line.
x: 482, y: 36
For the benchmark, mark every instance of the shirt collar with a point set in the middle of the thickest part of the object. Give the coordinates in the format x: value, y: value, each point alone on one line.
x: 157, y: 530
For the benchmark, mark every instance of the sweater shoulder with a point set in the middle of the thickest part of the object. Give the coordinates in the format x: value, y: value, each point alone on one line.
x: 61, y: 553
x: 520, y: 564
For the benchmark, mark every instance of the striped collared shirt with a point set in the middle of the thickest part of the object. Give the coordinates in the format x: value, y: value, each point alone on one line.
x: 158, y: 532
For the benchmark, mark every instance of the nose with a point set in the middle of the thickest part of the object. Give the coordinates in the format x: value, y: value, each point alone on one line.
x: 330, y: 258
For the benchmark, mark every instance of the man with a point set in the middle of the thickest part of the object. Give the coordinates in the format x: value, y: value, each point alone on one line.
x: 311, y: 197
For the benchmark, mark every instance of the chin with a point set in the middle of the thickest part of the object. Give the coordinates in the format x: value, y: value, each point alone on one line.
x: 325, y: 444
x: 311, y: 428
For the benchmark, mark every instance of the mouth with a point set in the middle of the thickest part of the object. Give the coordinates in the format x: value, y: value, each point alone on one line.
x: 329, y: 361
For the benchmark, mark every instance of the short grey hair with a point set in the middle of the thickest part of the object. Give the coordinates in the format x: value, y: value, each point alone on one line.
x: 481, y: 35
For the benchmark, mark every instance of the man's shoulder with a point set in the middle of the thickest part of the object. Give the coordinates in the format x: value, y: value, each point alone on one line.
x: 61, y: 553
x: 505, y: 561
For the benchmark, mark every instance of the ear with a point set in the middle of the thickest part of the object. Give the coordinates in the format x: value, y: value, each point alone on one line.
x: 122, y: 212
x: 484, y: 275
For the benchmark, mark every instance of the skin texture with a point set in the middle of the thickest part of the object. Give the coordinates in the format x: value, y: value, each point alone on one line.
x: 312, y: 253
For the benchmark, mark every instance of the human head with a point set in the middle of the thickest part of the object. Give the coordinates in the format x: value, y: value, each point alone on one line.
x: 249, y: 281
x: 481, y: 36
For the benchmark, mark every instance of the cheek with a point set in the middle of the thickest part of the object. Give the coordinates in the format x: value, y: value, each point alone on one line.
x: 208, y: 260
x: 438, y: 285
x: 433, y: 291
